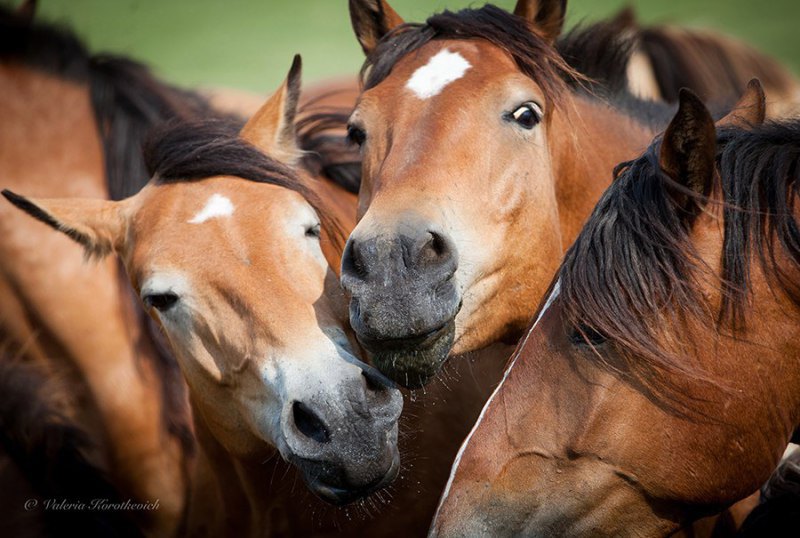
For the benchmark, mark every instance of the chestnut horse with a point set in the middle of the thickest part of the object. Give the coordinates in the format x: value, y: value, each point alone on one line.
x: 258, y: 327
x: 660, y: 380
x: 469, y: 197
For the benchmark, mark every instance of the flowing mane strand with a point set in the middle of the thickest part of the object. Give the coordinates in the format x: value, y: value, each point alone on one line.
x: 633, y: 269
x: 533, y: 55
x: 180, y: 151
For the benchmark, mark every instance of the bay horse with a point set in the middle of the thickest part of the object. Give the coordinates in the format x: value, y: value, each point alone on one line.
x: 659, y: 382
x: 230, y: 251
x: 73, y: 125
x: 469, y: 198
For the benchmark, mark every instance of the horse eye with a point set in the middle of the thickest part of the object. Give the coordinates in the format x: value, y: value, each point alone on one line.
x: 160, y: 301
x: 356, y: 135
x: 585, y: 335
x: 313, y: 231
x: 528, y: 115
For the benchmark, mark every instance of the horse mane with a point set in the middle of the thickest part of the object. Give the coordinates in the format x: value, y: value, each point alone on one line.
x: 633, y: 270
x: 601, y: 52
x: 49, y: 453
x: 712, y: 65
x: 180, y: 151
x: 533, y: 55
x: 326, y: 150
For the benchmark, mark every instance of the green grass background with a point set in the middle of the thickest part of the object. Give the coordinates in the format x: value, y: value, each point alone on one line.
x: 249, y: 44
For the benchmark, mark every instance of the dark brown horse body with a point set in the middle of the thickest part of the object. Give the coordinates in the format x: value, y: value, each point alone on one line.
x: 659, y: 382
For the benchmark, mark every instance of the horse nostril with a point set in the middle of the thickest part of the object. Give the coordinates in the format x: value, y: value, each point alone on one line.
x: 436, y: 251
x: 352, y: 261
x: 309, y: 424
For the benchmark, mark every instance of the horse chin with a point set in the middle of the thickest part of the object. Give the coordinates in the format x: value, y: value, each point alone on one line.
x: 414, y: 366
x: 331, y: 484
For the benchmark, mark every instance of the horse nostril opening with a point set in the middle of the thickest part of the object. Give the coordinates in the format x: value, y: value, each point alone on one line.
x: 352, y: 261
x: 438, y: 244
x: 436, y: 251
x: 309, y: 424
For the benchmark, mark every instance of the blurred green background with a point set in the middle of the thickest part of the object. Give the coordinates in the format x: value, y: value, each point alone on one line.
x: 249, y: 44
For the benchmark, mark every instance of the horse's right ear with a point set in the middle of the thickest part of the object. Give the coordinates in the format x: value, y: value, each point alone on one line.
x: 99, y: 226
x: 546, y: 16
x: 688, y: 150
x: 372, y: 19
x: 750, y: 110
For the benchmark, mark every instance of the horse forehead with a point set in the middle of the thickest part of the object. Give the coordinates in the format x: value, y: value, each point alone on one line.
x: 442, y: 66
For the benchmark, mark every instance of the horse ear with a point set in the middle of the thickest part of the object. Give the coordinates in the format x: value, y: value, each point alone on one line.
x: 26, y: 10
x: 547, y: 16
x: 272, y: 129
x: 372, y: 19
x: 750, y: 110
x: 688, y: 150
x: 99, y: 226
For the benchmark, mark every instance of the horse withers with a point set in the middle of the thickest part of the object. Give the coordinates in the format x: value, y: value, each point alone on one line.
x: 659, y: 380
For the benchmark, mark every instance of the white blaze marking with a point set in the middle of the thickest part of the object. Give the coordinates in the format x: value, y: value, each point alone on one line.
x: 217, y: 206
x: 550, y: 299
x: 442, y: 69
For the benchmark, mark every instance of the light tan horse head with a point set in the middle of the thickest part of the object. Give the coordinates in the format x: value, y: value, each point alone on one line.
x: 454, y: 127
x: 224, y: 247
x: 659, y: 380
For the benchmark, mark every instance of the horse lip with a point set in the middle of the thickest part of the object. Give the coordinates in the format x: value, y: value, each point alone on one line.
x: 342, y: 496
x: 420, y: 341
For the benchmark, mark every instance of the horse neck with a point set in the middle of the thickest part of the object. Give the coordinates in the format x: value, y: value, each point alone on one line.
x: 588, y: 138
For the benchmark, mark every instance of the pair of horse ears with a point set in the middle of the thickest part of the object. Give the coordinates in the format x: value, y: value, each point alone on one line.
x: 373, y: 19
x: 688, y: 149
x: 272, y: 128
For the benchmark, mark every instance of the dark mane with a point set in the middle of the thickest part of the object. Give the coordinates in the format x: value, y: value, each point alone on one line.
x: 601, y: 52
x: 322, y: 135
x: 633, y: 270
x: 712, y: 65
x: 188, y: 151
x: 532, y: 54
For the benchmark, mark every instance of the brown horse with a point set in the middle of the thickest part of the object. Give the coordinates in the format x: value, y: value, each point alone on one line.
x: 469, y: 197
x: 659, y: 382
x: 260, y: 384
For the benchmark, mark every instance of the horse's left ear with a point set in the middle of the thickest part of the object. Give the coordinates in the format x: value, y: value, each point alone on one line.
x: 750, y: 110
x: 688, y: 150
x: 272, y: 127
x: 547, y: 16
x: 99, y: 226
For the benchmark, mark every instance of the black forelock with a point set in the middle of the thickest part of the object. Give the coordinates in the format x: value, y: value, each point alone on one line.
x: 534, y: 56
